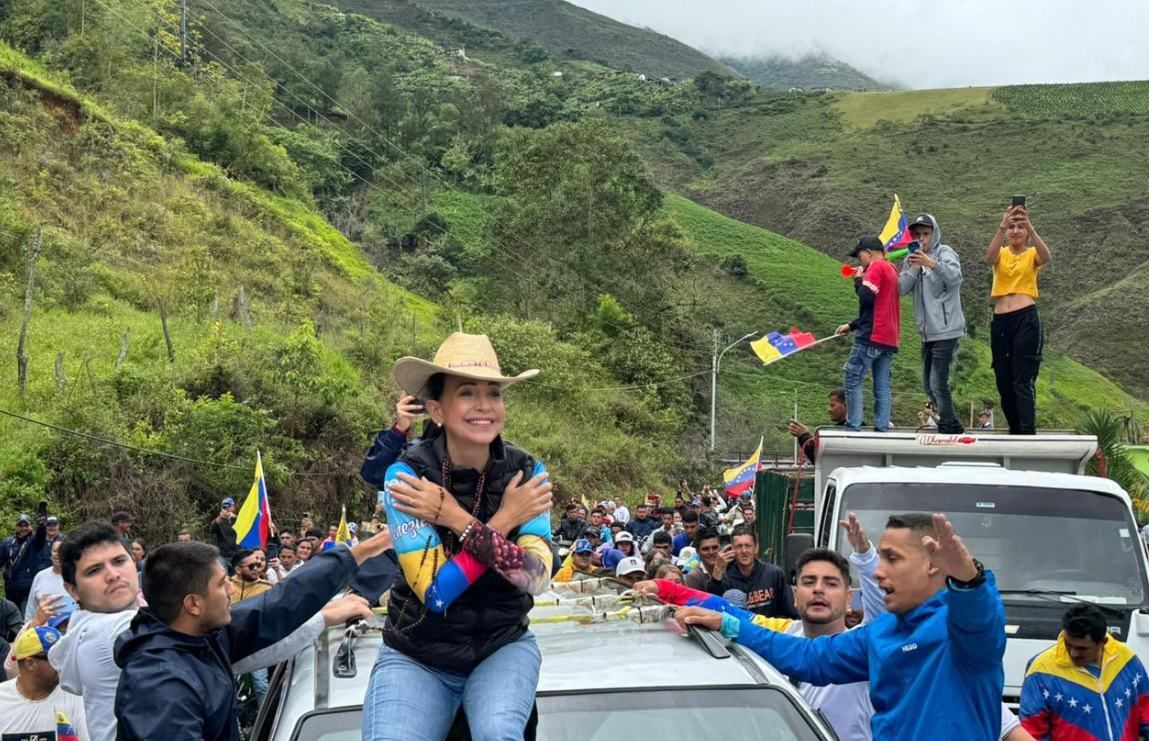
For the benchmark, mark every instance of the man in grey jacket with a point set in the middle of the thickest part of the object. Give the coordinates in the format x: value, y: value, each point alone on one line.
x: 933, y: 276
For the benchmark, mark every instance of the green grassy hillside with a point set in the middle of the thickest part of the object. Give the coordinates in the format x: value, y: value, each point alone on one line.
x: 812, y: 71
x: 790, y: 284
x: 133, y: 227
x: 568, y: 31
x: 823, y: 169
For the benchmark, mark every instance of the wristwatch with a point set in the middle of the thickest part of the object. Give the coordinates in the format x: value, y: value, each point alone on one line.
x: 974, y: 583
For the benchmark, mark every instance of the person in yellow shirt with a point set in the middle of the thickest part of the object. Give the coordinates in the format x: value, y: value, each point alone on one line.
x: 581, y: 565
x: 246, y: 581
x: 1017, y: 253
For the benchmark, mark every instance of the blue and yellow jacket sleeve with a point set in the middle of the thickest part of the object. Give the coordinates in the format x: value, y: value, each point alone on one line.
x: 438, y: 581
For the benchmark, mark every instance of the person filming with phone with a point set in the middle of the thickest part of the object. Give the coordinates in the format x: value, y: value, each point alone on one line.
x: 932, y: 276
x: 1017, y: 254
x: 222, y: 532
x: 767, y: 589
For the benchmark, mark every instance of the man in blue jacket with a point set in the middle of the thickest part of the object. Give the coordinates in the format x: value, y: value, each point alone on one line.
x: 933, y: 661
x: 176, y: 657
x: 20, y: 559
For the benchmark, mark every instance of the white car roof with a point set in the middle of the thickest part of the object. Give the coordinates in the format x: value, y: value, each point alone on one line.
x: 594, y: 657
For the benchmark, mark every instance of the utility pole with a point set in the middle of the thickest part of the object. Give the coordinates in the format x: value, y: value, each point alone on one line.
x: 183, y: 32
x: 713, y: 387
x: 796, y: 451
x: 715, y: 364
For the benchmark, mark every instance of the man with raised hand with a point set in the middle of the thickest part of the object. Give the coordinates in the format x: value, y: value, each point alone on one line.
x: 933, y: 661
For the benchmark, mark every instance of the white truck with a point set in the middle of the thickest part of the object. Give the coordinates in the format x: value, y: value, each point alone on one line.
x: 1052, y: 536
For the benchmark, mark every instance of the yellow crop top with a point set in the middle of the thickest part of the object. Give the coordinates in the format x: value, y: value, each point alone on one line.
x: 1015, y: 273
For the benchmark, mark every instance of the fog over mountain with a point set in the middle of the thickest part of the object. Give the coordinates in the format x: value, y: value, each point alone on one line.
x: 945, y: 43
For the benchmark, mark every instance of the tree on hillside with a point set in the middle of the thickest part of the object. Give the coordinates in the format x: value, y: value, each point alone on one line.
x: 579, y: 215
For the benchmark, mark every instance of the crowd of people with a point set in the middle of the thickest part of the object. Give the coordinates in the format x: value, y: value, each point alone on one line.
x: 109, y: 639
x: 932, y: 275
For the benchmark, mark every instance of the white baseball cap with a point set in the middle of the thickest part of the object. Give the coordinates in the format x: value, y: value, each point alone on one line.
x: 629, y: 566
x: 685, y: 556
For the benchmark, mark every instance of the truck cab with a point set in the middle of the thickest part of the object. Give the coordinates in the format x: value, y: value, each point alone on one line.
x: 1052, y: 536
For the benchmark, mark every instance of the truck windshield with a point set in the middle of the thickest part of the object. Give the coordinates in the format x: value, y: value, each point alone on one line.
x: 1074, y: 542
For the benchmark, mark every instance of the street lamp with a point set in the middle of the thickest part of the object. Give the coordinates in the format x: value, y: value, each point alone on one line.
x: 716, y: 361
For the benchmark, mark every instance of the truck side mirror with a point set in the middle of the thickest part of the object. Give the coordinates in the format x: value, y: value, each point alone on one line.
x: 796, y: 545
x: 1140, y: 623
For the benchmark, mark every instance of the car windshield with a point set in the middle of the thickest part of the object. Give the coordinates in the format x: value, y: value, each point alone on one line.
x: 757, y: 713
x: 1079, y: 543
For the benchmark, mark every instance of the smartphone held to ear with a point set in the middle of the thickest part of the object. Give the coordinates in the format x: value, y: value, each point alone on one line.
x: 421, y: 406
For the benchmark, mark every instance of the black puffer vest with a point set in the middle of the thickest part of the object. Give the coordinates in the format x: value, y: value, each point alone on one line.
x: 491, y: 613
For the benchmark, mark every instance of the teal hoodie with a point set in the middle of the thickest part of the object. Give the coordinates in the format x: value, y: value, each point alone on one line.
x: 934, y: 672
x: 936, y: 291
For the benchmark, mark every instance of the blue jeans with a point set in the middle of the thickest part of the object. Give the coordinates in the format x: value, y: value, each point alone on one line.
x: 259, y: 683
x: 937, y: 360
x: 407, y: 701
x: 868, y: 359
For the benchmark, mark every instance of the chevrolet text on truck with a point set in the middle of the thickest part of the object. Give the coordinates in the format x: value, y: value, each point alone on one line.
x: 1052, y: 536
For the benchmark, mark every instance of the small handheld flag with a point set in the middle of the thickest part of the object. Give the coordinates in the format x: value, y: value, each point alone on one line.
x: 741, y: 478
x: 775, y: 346
x: 251, y: 525
x: 65, y: 731
x: 343, y: 534
x: 896, y: 232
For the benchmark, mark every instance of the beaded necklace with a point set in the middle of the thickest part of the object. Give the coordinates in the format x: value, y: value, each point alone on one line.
x: 450, y: 542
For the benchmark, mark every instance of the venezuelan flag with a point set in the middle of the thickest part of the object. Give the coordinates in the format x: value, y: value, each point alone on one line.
x: 775, y: 346
x: 741, y: 479
x: 255, y: 515
x: 65, y: 731
x: 896, y: 232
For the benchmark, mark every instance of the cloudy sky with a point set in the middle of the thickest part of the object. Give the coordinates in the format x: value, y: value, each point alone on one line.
x: 918, y: 43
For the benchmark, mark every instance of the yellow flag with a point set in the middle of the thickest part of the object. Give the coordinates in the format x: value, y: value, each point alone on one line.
x: 894, y: 231
x: 343, y: 534
x: 764, y: 350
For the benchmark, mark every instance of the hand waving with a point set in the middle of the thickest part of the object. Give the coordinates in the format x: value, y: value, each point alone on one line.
x: 856, y: 534
x: 948, y: 553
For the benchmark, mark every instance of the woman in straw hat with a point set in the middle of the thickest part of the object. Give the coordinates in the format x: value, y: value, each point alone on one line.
x: 470, y: 517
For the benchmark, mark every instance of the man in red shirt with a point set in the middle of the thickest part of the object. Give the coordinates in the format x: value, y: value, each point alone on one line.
x: 876, y: 332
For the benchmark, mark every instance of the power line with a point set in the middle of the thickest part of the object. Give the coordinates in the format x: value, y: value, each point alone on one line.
x: 162, y: 454
x: 490, y: 238
x: 292, y: 112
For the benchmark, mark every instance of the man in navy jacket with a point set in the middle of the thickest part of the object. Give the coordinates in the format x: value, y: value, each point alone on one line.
x: 176, y: 657
x: 933, y: 661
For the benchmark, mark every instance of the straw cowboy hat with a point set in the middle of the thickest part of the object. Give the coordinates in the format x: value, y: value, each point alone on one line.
x: 461, y: 354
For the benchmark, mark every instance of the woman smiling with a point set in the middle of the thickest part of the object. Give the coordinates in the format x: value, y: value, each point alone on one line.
x: 470, y: 518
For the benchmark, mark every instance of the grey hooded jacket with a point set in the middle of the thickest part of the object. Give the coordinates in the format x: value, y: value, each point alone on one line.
x: 936, y: 291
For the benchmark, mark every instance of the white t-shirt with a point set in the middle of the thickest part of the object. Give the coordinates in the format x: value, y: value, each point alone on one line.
x: 83, y: 657
x: 47, y: 584
x: 846, y: 706
x: 22, y: 719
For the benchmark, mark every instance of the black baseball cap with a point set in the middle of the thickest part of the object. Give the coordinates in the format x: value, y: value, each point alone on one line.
x: 921, y: 220
x: 868, y: 242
